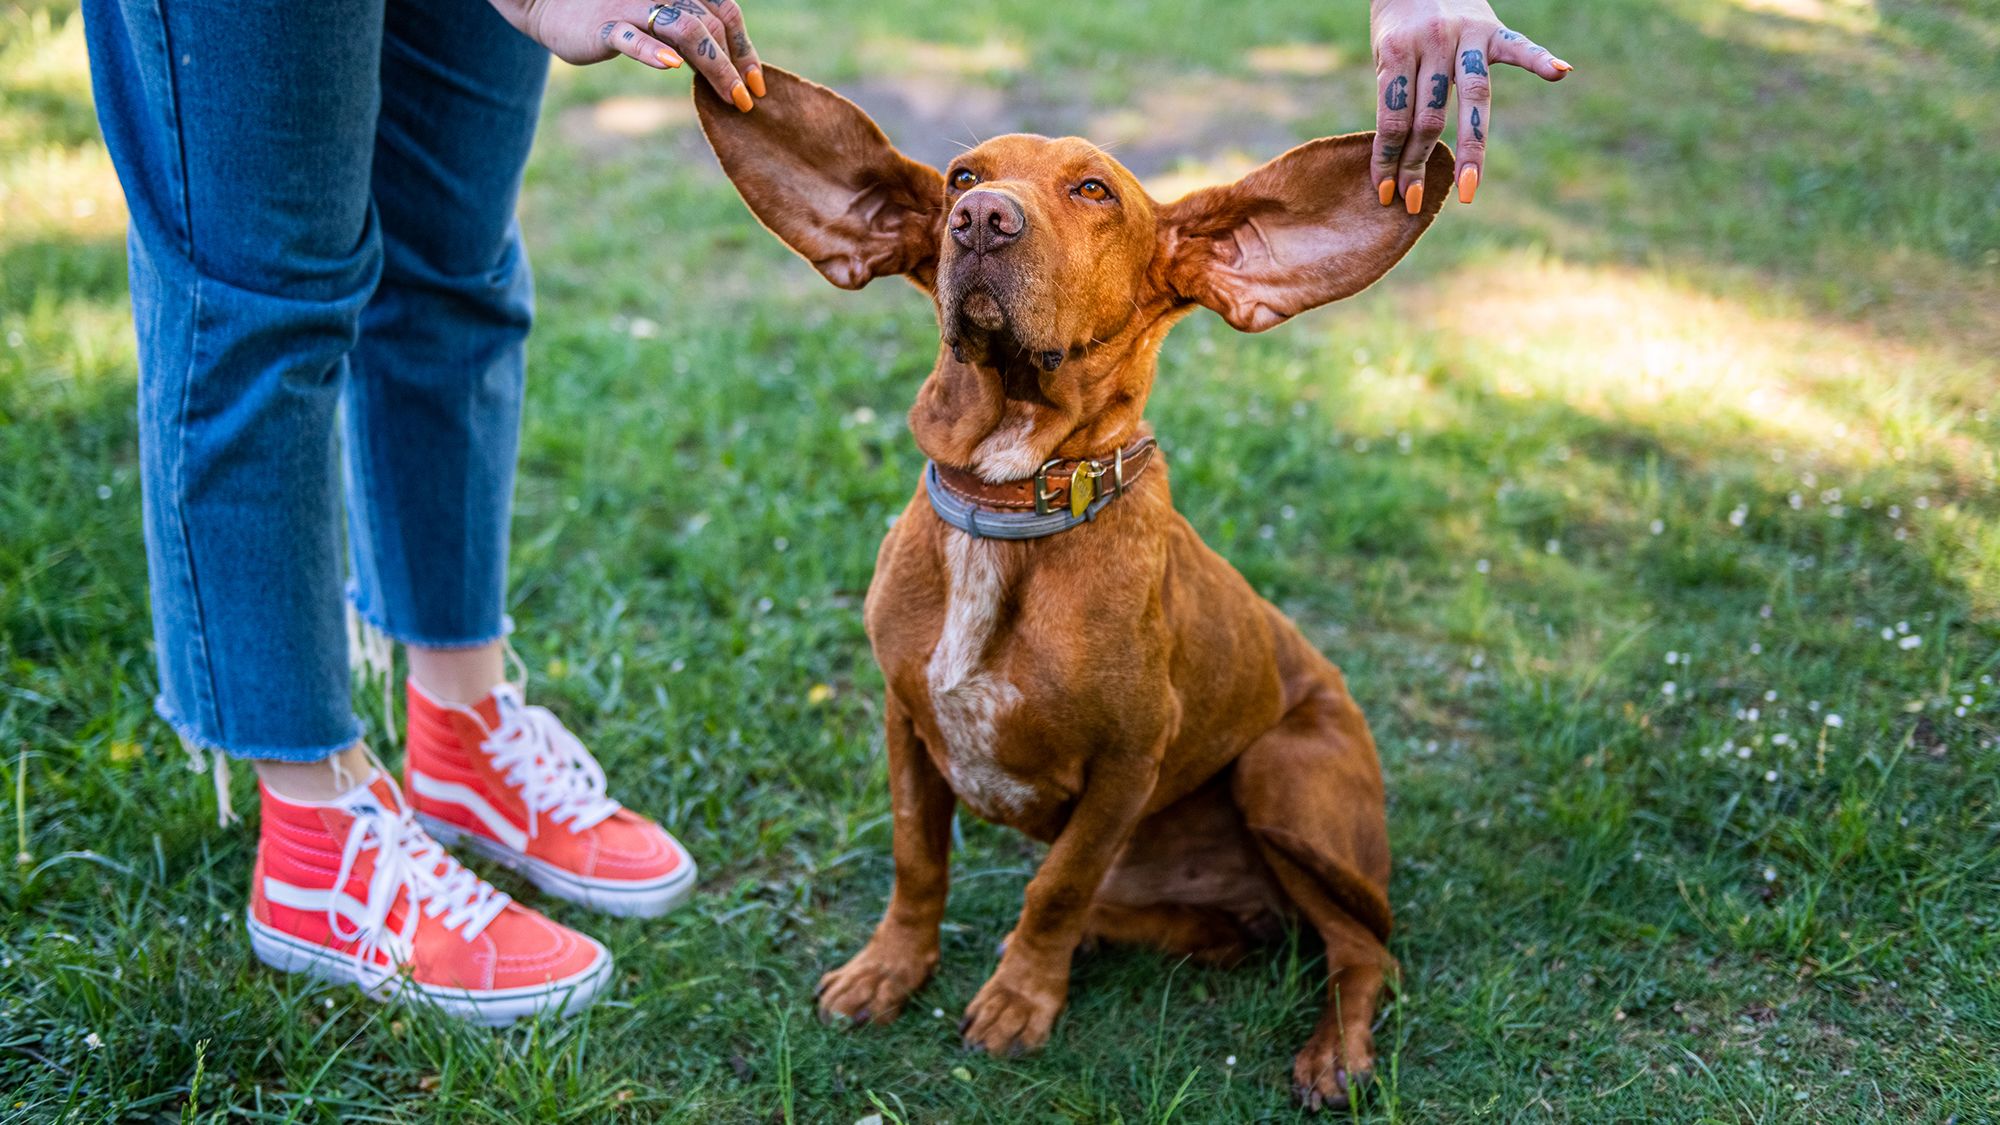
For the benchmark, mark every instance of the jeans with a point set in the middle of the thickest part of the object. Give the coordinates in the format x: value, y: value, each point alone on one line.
x: 322, y: 247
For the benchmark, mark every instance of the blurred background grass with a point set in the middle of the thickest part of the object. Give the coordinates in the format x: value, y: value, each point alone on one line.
x: 1651, y: 506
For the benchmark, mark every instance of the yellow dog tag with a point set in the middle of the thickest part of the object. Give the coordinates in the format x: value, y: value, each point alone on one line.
x: 1082, y: 489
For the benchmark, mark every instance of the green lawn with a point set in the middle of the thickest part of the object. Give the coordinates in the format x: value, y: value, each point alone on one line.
x: 1678, y: 444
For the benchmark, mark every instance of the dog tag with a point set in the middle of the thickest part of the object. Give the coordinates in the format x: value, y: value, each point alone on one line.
x: 1082, y: 489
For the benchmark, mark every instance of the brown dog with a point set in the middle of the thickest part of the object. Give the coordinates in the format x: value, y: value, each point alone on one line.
x: 1114, y: 688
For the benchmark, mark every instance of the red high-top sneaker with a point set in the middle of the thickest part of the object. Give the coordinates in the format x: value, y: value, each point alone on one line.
x: 353, y: 890
x: 510, y: 782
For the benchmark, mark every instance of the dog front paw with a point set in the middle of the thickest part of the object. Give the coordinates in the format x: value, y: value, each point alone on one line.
x: 1013, y: 1014
x: 873, y: 986
x: 1327, y: 1072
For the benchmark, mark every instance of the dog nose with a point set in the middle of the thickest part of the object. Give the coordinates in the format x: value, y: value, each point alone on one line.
x: 985, y: 221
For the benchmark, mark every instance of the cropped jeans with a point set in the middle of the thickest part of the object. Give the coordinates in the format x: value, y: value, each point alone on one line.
x: 324, y: 259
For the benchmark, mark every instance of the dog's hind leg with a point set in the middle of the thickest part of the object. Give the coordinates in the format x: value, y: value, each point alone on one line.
x: 1311, y: 792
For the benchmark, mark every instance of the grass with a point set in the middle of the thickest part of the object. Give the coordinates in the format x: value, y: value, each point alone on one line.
x: 1677, y: 445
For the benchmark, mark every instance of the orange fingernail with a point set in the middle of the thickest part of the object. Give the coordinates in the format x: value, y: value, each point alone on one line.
x: 1563, y: 66
x: 1413, y: 199
x: 741, y: 97
x: 669, y: 58
x: 756, y: 80
x: 1386, y: 190
x: 1468, y: 183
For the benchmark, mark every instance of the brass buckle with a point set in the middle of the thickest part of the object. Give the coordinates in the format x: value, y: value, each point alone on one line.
x: 1082, y: 486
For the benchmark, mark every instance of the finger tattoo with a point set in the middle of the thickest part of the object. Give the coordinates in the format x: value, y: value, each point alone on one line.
x: 1474, y: 62
x: 604, y: 33
x: 1478, y: 134
x: 1440, y: 86
x: 1397, y: 96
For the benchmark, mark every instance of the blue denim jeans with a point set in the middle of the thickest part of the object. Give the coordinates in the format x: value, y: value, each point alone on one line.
x: 322, y: 247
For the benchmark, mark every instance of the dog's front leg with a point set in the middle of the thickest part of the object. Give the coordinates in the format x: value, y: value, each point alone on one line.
x: 1018, y: 1005
x: 904, y: 951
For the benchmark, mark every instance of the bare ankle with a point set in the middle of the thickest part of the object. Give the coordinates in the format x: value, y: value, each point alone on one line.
x: 317, y: 781
x: 458, y: 675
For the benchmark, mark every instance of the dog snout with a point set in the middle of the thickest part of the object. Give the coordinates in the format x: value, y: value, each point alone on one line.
x: 985, y: 221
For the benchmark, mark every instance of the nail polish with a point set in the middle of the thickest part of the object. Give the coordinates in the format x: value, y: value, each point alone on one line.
x: 1563, y: 67
x: 1413, y: 198
x: 669, y: 59
x: 741, y: 97
x: 755, y: 77
x: 1386, y: 190
x: 1468, y: 183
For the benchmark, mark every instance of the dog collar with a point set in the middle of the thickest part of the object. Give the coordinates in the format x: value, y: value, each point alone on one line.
x: 1062, y: 494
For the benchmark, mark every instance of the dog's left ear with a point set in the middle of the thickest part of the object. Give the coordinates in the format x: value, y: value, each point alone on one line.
x: 818, y: 172
x: 1301, y: 231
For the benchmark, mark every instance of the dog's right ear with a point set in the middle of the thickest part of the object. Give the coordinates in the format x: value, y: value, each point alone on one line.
x: 817, y: 171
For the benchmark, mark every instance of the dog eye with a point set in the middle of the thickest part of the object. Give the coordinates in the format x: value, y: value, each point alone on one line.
x: 1093, y: 190
x: 963, y: 178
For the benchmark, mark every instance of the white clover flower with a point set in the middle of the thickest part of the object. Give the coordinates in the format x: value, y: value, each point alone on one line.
x: 1756, y: 648
x: 1909, y: 642
x: 1764, y: 611
x: 1657, y: 526
x: 1888, y: 634
x: 1796, y: 501
x: 1673, y: 657
x: 1230, y: 1061
x: 1738, y: 514
x: 93, y: 1041
x: 1770, y: 775
x: 1770, y: 874
x: 1833, y: 720
x: 1482, y: 566
x: 1895, y: 511
x: 1553, y: 546
x: 1669, y: 688
x: 1770, y: 697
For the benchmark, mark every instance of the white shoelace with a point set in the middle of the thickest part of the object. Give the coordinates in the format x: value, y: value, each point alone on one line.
x: 406, y: 859
x: 557, y: 778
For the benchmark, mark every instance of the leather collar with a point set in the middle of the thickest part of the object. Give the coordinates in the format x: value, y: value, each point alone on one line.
x: 1062, y: 494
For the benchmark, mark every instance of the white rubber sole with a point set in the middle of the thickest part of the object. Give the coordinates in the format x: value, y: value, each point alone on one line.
x: 611, y: 896
x: 493, y: 1008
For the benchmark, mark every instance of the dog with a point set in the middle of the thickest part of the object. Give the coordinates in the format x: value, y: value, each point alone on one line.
x: 1063, y: 655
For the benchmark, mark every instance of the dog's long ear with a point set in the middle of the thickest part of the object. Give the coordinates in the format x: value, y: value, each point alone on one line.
x: 1301, y: 231
x: 817, y: 171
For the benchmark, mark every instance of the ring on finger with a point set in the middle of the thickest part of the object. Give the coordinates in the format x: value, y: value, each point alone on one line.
x: 654, y: 13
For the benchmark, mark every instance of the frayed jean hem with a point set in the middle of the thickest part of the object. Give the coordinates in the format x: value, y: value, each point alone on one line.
x: 199, y: 741
x: 412, y: 640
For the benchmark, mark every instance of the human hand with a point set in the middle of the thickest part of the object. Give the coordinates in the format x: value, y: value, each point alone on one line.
x: 708, y: 32
x: 1423, y: 48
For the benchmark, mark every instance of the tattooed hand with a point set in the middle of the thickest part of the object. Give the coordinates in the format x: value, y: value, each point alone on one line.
x: 708, y: 32
x: 1423, y: 48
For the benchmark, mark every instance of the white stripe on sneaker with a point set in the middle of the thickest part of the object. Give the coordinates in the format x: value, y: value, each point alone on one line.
x: 495, y: 821
x: 296, y: 897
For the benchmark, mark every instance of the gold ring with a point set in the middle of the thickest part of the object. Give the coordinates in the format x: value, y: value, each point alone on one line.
x: 654, y: 13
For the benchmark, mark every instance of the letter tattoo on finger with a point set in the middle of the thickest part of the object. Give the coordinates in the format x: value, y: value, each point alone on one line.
x: 1474, y: 62
x: 1397, y: 96
x: 1440, y: 86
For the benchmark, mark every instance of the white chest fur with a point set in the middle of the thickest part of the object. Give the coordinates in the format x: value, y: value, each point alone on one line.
x: 968, y: 699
